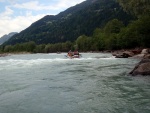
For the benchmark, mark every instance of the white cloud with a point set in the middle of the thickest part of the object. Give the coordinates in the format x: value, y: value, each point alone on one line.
x: 7, y: 12
x: 35, y: 5
x: 66, y: 4
x: 12, y: 1
x: 32, y: 5
x: 16, y: 24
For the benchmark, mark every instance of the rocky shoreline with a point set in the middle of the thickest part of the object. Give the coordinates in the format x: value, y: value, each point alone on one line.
x: 3, y: 55
x: 8, y: 54
x: 143, y: 67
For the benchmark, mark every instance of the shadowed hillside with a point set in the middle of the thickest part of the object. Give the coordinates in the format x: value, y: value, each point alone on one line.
x: 73, y: 22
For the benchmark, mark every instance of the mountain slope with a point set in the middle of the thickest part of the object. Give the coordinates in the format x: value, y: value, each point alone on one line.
x: 6, y: 37
x: 75, y: 21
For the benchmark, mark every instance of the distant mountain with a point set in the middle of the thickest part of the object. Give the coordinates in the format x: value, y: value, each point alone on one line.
x: 6, y: 37
x: 73, y: 22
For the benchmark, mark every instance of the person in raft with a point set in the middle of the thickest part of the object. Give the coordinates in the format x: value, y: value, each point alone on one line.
x: 76, y: 52
x: 70, y: 53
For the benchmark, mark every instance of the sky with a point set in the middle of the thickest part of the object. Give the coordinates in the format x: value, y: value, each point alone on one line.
x: 16, y: 15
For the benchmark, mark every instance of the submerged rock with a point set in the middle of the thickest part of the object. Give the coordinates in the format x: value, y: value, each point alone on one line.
x: 143, y: 68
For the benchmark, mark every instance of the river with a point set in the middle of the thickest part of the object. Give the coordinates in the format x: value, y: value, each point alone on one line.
x: 51, y: 83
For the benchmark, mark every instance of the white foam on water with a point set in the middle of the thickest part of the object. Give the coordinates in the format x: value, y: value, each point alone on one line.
x: 109, y: 58
x: 29, y: 62
x: 19, y: 61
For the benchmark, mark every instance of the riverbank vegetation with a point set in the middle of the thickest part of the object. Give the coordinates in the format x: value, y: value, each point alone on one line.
x: 113, y: 36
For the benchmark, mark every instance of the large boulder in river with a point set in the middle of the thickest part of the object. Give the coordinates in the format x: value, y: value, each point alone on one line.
x: 145, y: 51
x: 143, y: 68
x: 147, y: 56
x: 124, y: 54
x: 136, y: 51
x: 128, y: 53
x: 139, y: 56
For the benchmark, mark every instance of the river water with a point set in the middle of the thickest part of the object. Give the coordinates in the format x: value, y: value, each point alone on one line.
x: 51, y: 83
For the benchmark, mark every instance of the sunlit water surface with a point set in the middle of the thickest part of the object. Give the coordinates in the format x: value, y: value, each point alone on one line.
x: 51, y: 83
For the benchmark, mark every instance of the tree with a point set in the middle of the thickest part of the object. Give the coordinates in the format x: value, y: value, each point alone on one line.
x: 136, y: 7
x: 8, y: 48
x: 98, y: 42
x: 113, y: 26
x: 40, y: 48
x: 30, y: 46
x: 83, y: 43
x: 136, y: 34
x: 111, y: 42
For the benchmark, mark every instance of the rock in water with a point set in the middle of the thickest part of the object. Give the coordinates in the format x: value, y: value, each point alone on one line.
x: 143, y: 68
x: 124, y: 54
x: 147, y: 56
x: 144, y: 51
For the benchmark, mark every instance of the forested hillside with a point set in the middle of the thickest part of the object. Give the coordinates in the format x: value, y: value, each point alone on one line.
x: 70, y: 24
x: 94, y: 25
